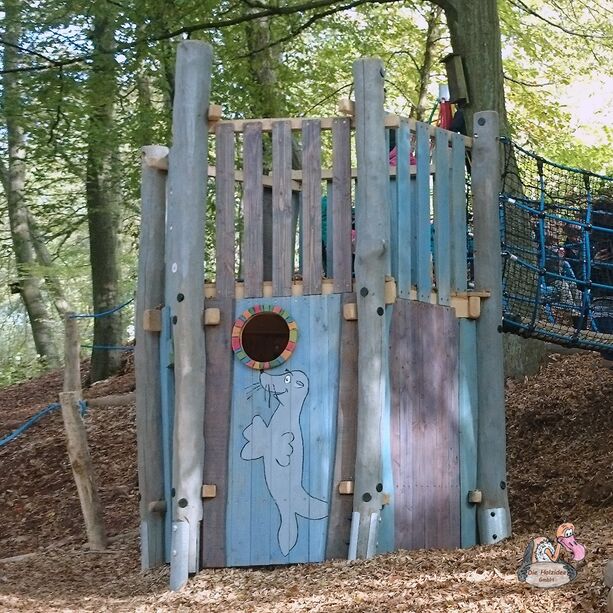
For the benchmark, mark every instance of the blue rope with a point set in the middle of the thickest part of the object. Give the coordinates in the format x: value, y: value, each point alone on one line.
x: 54, y: 406
x: 103, y: 313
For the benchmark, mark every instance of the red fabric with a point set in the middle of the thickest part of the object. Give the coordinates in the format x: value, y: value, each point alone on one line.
x: 393, y: 159
x: 445, y: 115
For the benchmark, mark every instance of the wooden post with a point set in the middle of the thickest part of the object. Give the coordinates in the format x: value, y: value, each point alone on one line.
x: 72, y: 354
x: 82, y: 470
x: 150, y: 295
x: 184, y: 295
x: 371, y: 266
x: 493, y: 515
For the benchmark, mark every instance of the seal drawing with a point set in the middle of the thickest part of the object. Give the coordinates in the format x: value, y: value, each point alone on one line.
x: 279, y: 443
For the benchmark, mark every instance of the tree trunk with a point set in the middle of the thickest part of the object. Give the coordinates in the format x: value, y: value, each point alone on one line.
x: 102, y: 195
x: 29, y: 283
x: 475, y: 35
x: 433, y: 35
x: 52, y: 281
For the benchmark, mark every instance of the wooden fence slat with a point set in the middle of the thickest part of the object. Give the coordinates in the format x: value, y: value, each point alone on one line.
x: 311, y: 207
x: 423, y: 264
x: 329, y: 263
x: 224, y: 206
x: 341, y: 206
x: 459, y: 234
x: 442, y: 252
x: 282, y: 239
x: 405, y: 203
x: 253, y: 207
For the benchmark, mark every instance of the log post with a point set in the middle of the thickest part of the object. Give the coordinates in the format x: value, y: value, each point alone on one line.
x: 82, y: 470
x: 72, y: 354
x: 150, y: 295
x: 371, y: 266
x: 493, y: 515
x: 184, y: 278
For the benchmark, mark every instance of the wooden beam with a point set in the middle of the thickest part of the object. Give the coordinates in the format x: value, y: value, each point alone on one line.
x: 184, y: 273
x: 149, y: 296
x: 155, y: 156
x: 371, y: 267
x: 82, y: 470
x: 114, y: 400
x: 389, y: 121
x: 493, y: 515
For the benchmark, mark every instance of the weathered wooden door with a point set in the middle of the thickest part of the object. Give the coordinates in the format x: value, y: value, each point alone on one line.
x: 425, y: 425
x: 282, y: 441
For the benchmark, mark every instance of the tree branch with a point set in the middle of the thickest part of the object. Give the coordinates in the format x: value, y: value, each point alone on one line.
x: 264, y: 11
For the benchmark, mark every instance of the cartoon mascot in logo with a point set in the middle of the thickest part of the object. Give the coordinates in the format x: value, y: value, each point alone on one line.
x: 540, y: 565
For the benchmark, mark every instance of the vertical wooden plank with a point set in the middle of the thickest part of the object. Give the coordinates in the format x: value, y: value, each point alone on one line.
x: 329, y: 267
x: 167, y: 389
x: 459, y: 230
x: 311, y: 207
x: 184, y: 276
x: 488, y: 270
x: 394, y: 238
x: 344, y: 465
x: 149, y: 295
x: 224, y: 206
x: 468, y: 419
x: 253, y: 211
x: 341, y: 206
x: 282, y: 243
x: 405, y: 203
x: 442, y: 254
x: 423, y: 264
x: 423, y: 373
x: 217, y: 405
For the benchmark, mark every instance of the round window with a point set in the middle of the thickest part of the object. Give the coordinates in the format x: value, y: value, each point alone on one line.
x: 264, y: 336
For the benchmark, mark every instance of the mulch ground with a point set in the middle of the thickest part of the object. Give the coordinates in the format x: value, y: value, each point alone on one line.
x: 560, y: 450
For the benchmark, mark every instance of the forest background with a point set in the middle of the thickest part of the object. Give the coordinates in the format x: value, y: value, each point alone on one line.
x: 86, y: 84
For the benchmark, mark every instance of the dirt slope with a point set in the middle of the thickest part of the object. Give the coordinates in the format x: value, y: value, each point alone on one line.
x: 560, y: 439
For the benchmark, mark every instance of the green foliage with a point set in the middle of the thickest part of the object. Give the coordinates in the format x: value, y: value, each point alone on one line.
x: 310, y: 68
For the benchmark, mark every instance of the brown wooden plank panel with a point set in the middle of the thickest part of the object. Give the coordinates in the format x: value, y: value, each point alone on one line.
x: 224, y: 205
x: 425, y: 433
x: 341, y: 204
x: 401, y: 346
x: 339, y: 523
x: 253, y: 211
x: 217, y: 405
x: 282, y: 238
x: 311, y: 207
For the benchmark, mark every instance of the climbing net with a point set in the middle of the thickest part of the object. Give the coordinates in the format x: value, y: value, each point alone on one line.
x: 557, y: 241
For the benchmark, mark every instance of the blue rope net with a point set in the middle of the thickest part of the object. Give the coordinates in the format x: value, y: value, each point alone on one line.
x: 557, y: 241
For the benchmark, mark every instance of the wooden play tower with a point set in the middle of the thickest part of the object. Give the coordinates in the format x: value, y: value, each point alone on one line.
x: 318, y: 374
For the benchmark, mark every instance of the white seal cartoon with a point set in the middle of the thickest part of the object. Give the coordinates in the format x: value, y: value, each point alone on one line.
x: 279, y: 443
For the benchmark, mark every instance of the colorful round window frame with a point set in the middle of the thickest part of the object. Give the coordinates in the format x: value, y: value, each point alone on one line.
x: 250, y: 313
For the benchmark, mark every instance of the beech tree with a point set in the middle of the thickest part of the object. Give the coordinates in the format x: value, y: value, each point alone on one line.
x: 28, y: 283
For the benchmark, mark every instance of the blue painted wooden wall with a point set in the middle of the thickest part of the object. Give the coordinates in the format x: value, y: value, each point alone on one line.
x: 259, y: 451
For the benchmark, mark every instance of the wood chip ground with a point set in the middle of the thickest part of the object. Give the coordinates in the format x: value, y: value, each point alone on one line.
x: 560, y: 443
